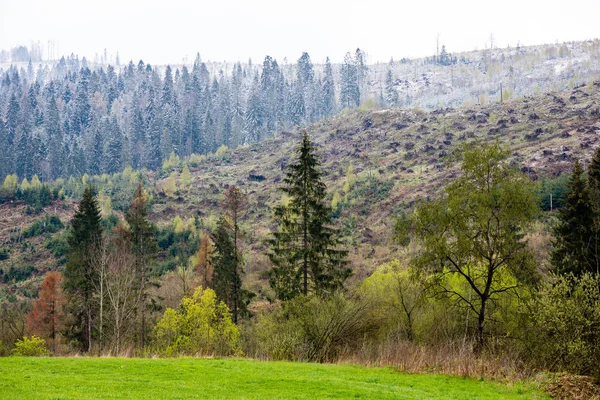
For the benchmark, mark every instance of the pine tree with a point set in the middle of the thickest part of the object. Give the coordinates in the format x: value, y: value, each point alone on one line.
x: 575, y: 240
x: 304, y: 249
x: 350, y: 91
x: 224, y: 276
x: 235, y: 204
x: 144, y: 249
x: 114, y: 156
x: 80, y: 276
x: 12, y: 119
x: 391, y: 94
x: 328, y: 102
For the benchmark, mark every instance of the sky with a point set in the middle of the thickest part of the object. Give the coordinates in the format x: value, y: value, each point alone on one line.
x: 172, y: 32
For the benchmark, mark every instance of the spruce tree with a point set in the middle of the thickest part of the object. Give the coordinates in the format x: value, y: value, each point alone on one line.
x: 575, y: 240
x: 223, y: 260
x: 235, y: 204
x: 328, y: 90
x: 81, y: 276
x: 144, y: 248
x: 305, y: 248
x: 391, y: 94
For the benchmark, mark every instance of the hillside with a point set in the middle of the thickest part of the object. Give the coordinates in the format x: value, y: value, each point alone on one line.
x: 397, y: 155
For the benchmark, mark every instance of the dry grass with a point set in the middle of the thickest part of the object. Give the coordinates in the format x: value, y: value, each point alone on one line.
x: 453, y: 358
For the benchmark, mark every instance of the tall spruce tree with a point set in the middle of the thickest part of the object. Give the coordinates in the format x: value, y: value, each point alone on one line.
x: 144, y: 249
x: 576, y: 242
x: 235, y: 204
x: 224, y: 263
x: 305, y: 248
x: 81, y: 276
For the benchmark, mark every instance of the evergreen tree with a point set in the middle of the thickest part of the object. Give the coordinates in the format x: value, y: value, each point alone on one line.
x: 81, y: 276
x: 144, y: 249
x: 576, y: 243
x: 235, y: 204
x: 350, y: 91
x: 114, y: 155
x: 224, y: 263
x: 12, y: 119
x: 304, y: 249
x: 328, y: 102
x: 391, y: 94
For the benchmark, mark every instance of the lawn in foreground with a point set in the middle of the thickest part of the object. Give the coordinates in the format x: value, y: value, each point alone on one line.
x: 186, y: 378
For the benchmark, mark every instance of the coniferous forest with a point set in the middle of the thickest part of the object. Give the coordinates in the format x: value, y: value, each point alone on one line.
x: 67, y: 119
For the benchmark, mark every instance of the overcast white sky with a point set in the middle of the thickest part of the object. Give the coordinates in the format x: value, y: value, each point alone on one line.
x: 163, y: 32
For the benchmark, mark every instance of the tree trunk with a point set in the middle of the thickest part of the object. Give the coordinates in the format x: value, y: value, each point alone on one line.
x: 480, y: 326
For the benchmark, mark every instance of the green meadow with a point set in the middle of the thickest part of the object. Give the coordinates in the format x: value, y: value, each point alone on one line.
x: 194, y: 378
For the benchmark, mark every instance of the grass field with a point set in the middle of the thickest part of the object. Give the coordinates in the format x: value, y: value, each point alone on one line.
x: 114, y: 378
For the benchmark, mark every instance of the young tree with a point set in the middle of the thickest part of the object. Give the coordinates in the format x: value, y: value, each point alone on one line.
x: 46, y: 318
x: 144, y: 248
x: 475, y: 231
x: 576, y: 242
x: 80, y: 276
x: 121, y: 284
x: 305, y: 248
x: 202, y: 263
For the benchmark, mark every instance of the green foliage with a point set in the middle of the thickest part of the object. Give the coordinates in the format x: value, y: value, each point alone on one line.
x: 565, y: 315
x: 475, y: 232
x: 186, y: 177
x: 557, y: 187
x: 48, y: 224
x: 58, y: 244
x: 305, y: 248
x: 81, y: 275
x: 577, y: 237
x: 19, y: 274
x: 221, y: 151
x: 171, y: 162
x: 4, y: 253
x: 31, y: 347
x: 312, y: 329
x: 201, y: 326
x: 398, y: 298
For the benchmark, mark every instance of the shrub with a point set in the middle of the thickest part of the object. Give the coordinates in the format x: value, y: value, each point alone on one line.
x: 566, y: 318
x: 202, y: 325
x: 16, y: 274
x: 58, y: 244
x: 4, y: 253
x: 311, y: 329
x: 48, y: 224
x: 31, y: 347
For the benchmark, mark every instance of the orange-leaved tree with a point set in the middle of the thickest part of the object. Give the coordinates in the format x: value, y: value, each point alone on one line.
x: 45, y: 319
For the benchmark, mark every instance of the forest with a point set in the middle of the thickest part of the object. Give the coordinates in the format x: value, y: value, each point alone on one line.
x: 296, y: 217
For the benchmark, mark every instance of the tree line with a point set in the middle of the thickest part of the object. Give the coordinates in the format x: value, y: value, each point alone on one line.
x: 69, y: 119
x: 104, y: 296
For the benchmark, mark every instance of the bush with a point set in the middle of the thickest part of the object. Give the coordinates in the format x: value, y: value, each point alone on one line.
x: 201, y: 326
x: 16, y: 274
x: 311, y: 329
x: 33, y: 347
x: 565, y: 335
x: 48, y: 224
x: 58, y: 244
x: 4, y: 253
